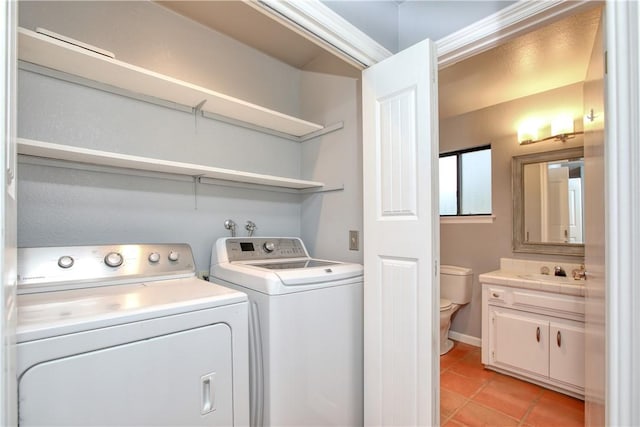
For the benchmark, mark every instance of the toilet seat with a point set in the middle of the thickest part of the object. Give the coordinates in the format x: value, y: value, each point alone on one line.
x: 445, y: 304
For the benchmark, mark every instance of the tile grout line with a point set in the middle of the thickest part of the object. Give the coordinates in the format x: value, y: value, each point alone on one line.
x: 466, y: 356
x: 467, y: 399
x: 478, y: 391
x: 532, y: 405
x: 519, y: 421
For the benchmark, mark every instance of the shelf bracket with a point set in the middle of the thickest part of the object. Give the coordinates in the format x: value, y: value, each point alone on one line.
x: 325, y: 130
x: 197, y: 111
x: 196, y: 181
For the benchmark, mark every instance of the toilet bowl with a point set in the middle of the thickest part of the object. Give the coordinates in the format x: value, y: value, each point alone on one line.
x: 455, y: 291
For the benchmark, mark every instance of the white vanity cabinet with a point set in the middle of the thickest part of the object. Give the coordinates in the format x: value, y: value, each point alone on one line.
x: 534, y: 335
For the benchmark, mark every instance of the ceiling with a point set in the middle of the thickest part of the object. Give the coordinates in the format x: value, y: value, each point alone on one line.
x: 554, y: 56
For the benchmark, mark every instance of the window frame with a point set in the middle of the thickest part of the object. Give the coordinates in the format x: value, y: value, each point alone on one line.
x: 458, y: 154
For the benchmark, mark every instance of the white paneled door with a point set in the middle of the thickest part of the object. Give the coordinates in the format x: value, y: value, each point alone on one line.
x: 401, y: 235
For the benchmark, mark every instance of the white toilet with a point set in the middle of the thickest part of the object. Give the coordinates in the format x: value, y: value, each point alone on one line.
x: 455, y: 291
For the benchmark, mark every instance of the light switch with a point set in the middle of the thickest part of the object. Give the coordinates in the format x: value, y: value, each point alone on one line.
x: 354, y: 240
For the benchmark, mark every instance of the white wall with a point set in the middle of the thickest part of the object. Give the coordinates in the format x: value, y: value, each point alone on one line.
x: 336, y: 159
x: 64, y: 207
x: 480, y: 246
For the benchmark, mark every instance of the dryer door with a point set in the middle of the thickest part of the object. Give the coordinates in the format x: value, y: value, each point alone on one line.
x: 183, y: 378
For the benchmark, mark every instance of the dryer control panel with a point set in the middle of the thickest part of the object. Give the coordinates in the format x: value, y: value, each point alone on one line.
x: 264, y: 248
x: 70, y: 267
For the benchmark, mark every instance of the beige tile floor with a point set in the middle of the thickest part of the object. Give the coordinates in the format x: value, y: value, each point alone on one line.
x: 473, y: 396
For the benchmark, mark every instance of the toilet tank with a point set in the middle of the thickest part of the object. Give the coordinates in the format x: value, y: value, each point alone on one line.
x: 456, y: 283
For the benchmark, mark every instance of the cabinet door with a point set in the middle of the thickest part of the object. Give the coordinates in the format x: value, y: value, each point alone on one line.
x: 566, y: 353
x: 519, y: 341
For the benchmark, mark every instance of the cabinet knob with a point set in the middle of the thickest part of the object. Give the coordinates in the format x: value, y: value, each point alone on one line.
x: 495, y: 295
x: 559, y: 339
x: 538, y: 334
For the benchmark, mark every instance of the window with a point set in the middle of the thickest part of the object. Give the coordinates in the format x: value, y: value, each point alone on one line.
x: 465, y: 182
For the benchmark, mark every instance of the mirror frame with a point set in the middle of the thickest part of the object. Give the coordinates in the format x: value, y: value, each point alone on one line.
x: 517, y: 183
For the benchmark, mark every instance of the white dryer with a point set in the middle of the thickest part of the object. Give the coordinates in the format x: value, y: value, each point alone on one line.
x: 127, y: 335
x: 305, y: 331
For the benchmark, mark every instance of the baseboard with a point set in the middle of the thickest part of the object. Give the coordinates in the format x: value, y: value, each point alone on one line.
x: 467, y: 339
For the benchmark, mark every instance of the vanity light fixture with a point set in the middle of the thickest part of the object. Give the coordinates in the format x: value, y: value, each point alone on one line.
x: 528, y: 131
x: 561, y: 130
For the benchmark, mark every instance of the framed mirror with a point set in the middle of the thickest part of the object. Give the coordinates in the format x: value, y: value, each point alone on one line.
x: 548, y: 202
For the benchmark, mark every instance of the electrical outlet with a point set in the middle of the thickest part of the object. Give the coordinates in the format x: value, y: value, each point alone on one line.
x: 354, y: 240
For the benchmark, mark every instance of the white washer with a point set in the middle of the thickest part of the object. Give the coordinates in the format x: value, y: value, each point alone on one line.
x: 305, y: 331
x: 127, y: 335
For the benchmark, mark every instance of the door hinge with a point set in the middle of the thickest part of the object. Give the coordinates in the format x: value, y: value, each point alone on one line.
x: 606, y: 62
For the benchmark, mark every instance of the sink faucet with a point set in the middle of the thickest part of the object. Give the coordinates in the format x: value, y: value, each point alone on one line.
x: 579, y: 273
x: 559, y: 271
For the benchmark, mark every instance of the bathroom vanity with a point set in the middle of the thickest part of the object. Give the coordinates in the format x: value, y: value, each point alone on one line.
x: 533, y: 325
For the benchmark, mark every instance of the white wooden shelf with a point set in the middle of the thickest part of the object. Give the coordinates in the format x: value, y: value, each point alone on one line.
x: 48, y: 150
x: 58, y: 55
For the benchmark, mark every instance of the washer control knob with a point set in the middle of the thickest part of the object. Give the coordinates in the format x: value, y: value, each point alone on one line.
x: 113, y: 259
x: 65, y: 261
x: 174, y: 256
x: 154, y: 257
x: 269, y: 247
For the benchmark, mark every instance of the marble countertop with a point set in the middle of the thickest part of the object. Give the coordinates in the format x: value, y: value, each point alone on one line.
x: 538, y: 282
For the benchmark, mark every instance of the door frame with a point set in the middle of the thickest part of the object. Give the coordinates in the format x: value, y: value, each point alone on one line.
x: 622, y: 186
x: 622, y: 204
x: 622, y: 153
x: 8, y: 234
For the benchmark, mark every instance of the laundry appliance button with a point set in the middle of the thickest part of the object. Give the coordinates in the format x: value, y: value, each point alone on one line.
x: 65, y: 261
x: 113, y: 259
x: 269, y: 247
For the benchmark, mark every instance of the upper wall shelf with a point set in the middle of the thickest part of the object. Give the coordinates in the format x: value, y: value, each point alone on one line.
x: 68, y: 58
x: 103, y: 158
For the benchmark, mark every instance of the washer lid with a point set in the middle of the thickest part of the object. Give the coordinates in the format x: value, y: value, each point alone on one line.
x: 50, y: 314
x: 294, y: 272
x: 445, y: 304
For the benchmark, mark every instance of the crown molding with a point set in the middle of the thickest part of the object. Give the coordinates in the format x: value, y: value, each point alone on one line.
x: 321, y: 25
x: 502, y: 26
x: 318, y: 23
